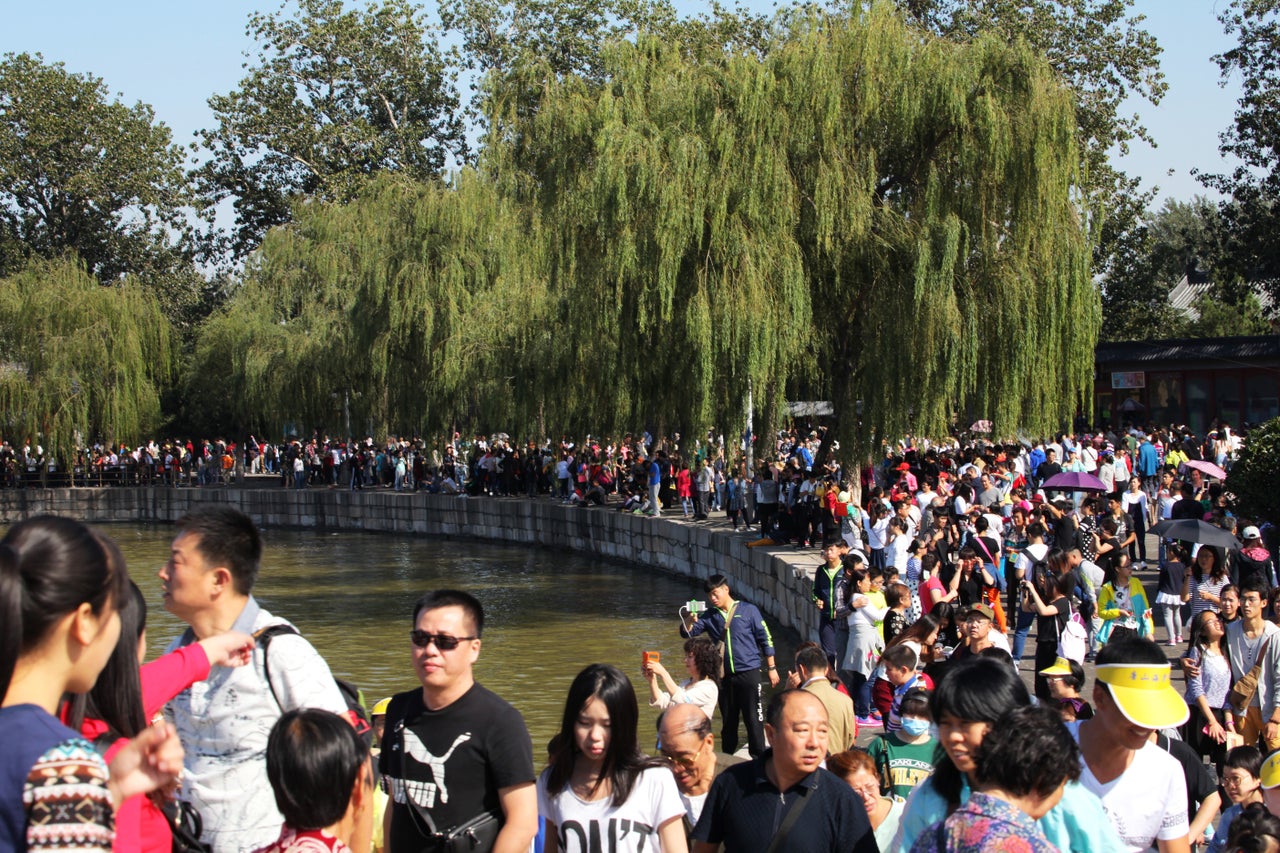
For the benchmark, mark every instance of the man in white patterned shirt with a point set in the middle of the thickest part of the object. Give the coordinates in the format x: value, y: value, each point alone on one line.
x: 224, y: 721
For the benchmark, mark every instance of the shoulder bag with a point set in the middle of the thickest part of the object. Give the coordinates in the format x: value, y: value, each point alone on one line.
x: 1244, y: 688
x: 789, y: 821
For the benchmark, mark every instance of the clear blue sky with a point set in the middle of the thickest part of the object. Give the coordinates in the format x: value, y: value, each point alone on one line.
x: 173, y: 55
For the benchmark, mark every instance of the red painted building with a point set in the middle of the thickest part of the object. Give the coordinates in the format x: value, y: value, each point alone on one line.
x: 1188, y: 381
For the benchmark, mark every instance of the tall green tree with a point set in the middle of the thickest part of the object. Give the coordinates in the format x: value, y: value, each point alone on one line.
x: 1149, y: 260
x: 881, y: 215
x: 334, y: 94
x: 82, y: 173
x: 80, y: 361
x: 1251, y: 213
x: 405, y: 307
x: 1104, y: 54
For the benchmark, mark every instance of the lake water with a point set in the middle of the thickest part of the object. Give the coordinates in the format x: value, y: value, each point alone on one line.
x: 547, y: 613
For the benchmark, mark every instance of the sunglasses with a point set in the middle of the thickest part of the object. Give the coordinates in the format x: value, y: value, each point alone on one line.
x: 444, y: 642
x: 686, y: 761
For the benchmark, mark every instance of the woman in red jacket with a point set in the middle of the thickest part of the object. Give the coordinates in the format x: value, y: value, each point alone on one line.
x: 125, y: 699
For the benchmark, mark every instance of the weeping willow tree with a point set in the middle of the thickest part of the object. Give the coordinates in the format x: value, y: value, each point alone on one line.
x: 80, y: 361
x: 865, y: 212
x: 404, y: 306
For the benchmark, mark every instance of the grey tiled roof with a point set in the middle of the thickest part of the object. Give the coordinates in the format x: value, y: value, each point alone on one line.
x: 1242, y: 348
x: 1182, y: 296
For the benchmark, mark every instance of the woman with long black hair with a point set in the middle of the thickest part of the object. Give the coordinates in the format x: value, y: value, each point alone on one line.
x: 1048, y: 596
x: 599, y: 790
x: 125, y: 699
x: 61, y: 586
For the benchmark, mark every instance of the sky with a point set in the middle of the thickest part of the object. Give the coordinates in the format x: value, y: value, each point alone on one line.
x: 174, y: 55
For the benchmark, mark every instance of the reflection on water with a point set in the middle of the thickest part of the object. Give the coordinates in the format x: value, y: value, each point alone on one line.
x: 548, y: 613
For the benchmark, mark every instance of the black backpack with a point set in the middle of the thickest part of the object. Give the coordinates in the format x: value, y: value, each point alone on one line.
x: 350, y: 693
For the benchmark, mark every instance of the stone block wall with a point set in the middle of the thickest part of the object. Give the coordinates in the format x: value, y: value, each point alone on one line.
x: 778, y: 586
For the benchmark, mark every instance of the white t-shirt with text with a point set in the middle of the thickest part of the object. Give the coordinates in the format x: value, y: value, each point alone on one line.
x: 587, y: 827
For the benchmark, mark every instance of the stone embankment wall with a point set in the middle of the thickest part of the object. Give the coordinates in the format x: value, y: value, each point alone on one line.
x: 771, y: 578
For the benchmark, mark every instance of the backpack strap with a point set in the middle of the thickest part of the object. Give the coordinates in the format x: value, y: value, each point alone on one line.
x: 263, y: 638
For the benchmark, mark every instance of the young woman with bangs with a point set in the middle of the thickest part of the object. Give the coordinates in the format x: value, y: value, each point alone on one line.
x: 599, y: 789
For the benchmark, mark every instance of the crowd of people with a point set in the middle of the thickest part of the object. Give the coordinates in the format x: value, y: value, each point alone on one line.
x: 929, y: 589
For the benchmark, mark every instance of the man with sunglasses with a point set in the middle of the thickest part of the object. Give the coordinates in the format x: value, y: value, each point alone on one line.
x: 456, y: 756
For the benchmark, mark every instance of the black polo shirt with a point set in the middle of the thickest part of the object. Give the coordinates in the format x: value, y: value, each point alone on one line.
x: 744, y: 811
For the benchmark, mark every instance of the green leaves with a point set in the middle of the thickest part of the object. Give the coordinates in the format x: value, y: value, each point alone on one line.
x: 82, y: 173
x: 1252, y: 214
x: 1252, y: 484
x: 862, y: 213
x: 334, y: 96
x: 81, y: 362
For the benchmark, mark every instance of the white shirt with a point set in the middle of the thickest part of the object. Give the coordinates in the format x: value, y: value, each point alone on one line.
x: 1030, y: 555
x: 629, y: 828
x: 1147, y: 802
x: 703, y: 693
x: 1093, y: 574
x: 223, y: 723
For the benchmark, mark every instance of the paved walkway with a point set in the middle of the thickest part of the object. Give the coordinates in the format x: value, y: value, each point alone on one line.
x: 810, y: 559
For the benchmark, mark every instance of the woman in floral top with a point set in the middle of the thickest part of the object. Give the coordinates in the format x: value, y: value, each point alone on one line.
x: 60, y: 588
x: 1021, y: 769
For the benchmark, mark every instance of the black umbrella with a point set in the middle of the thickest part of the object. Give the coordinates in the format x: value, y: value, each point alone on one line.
x: 1195, y: 530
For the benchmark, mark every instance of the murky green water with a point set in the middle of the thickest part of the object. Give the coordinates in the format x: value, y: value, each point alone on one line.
x: 548, y: 613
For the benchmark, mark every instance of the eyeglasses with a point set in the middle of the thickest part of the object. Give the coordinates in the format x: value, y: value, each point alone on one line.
x: 444, y: 642
x: 867, y: 792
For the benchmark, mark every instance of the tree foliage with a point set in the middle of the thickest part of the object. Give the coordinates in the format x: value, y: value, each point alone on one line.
x: 1251, y: 213
x: 401, y: 304
x: 568, y: 35
x: 80, y: 361
x: 333, y: 96
x: 1252, y: 483
x: 887, y: 216
x: 82, y: 173
x: 1104, y: 55
x: 1149, y: 260
x: 1098, y: 47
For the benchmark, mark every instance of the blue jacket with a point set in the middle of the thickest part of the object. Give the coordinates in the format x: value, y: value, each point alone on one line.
x: 1148, y: 461
x: 747, y: 635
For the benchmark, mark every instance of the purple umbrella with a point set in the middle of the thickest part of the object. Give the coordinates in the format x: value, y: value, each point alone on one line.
x: 1073, y: 481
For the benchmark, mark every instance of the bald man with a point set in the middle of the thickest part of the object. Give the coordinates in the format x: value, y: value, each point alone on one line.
x: 688, y: 746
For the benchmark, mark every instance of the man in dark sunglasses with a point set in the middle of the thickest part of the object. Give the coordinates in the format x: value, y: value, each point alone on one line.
x: 457, y: 759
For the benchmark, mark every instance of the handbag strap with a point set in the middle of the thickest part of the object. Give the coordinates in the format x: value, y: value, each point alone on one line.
x: 790, y: 821
x: 985, y: 549
x: 1262, y: 653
